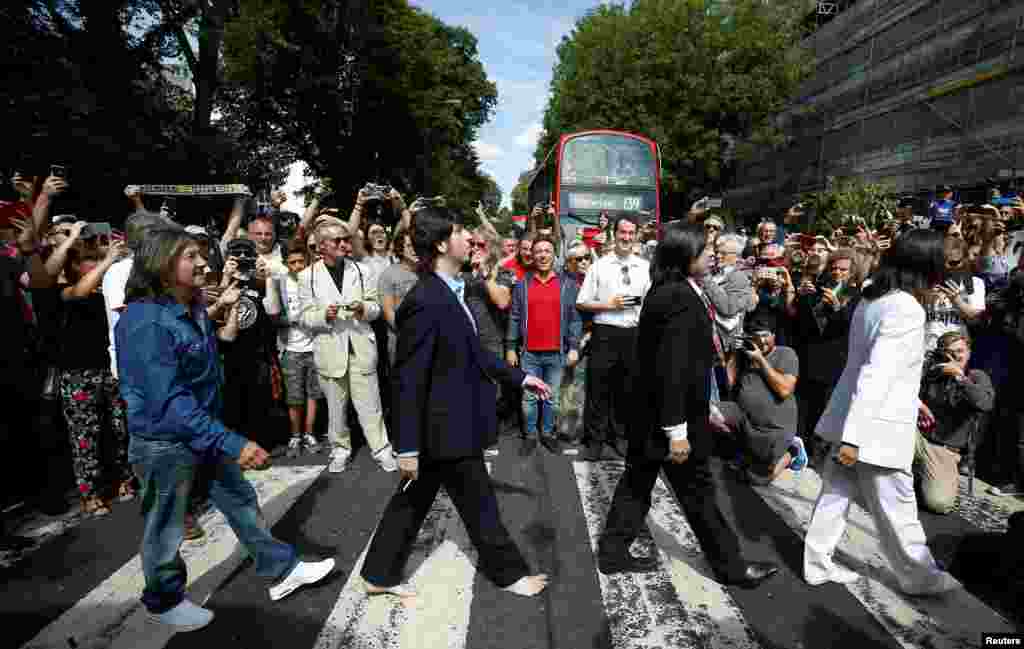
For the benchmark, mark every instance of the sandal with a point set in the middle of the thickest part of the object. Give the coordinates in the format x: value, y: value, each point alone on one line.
x: 125, y: 491
x: 94, y: 506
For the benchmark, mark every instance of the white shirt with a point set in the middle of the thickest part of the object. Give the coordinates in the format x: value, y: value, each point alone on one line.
x: 294, y: 337
x: 114, y: 281
x: 377, y: 263
x: 607, y: 278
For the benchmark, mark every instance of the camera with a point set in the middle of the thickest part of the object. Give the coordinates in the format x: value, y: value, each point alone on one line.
x: 93, y: 230
x: 59, y: 171
x: 376, y: 192
x: 747, y: 342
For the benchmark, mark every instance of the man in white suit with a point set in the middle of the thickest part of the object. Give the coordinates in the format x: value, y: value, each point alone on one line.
x: 338, y: 300
x: 872, y: 418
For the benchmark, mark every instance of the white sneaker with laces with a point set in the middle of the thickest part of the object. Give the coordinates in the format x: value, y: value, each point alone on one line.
x: 186, y: 616
x: 339, y: 460
x: 302, y: 574
x: 294, y: 447
x: 386, y: 459
x: 836, y: 574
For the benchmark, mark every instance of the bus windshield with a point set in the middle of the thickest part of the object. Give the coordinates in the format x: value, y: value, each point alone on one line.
x: 608, y: 160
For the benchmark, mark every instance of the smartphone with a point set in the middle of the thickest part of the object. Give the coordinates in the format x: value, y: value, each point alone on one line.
x: 60, y: 171
x: 93, y: 230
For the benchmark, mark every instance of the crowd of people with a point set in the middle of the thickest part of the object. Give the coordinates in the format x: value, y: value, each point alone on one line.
x: 294, y: 315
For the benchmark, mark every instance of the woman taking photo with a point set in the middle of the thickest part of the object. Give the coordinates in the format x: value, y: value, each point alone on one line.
x: 676, y: 345
x: 171, y: 382
x: 871, y: 419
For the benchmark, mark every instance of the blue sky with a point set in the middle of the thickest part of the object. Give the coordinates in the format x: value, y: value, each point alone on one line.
x: 516, y: 42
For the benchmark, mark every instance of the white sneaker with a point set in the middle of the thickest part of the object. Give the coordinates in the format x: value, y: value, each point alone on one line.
x: 386, y: 459
x: 186, y: 616
x: 294, y: 447
x: 302, y: 574
x: 339, y: 460
x: 492, y: 451
x: 836, y: 574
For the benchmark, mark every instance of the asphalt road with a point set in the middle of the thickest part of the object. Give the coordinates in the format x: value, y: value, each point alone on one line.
x: 80, y: 587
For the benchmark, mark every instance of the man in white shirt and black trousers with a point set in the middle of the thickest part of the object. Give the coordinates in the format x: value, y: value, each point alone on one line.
x: 613, y: 291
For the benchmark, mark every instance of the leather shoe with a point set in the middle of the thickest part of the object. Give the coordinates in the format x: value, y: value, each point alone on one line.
x: 610, y: 563
x: 551, y: 443
x: 752, y: 576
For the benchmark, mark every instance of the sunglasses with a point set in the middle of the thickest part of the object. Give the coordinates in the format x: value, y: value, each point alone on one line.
x: 625, y: 276
x: 479, y: 246
x: 338, y: 240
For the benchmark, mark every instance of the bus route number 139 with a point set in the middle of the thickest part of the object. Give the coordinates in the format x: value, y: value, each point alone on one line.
x: 631, y: 202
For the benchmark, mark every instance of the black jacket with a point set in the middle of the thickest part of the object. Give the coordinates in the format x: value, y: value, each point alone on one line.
x: 443, y: 381
x: 674, y: 356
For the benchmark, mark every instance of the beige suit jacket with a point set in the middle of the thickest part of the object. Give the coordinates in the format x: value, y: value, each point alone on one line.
x: 346, y: 343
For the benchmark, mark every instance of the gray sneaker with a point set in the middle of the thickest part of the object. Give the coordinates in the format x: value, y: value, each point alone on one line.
x: 294, y: 447
x: 309, y: 443
x: 186, y: 616
x: 339, y: 460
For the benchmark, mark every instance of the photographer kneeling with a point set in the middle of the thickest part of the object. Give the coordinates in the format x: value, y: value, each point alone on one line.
x: 764, y: 416
x: 951, y: 398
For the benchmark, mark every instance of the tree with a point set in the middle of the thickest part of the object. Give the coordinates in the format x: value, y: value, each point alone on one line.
x: 396, y: 96
x: 520, y: 202
x: 848, y: 201
x: 704, y: 81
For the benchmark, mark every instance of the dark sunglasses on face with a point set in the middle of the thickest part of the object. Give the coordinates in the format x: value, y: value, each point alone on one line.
x: 478, y: 245
x: 625, y: 275
x: 338, y: 240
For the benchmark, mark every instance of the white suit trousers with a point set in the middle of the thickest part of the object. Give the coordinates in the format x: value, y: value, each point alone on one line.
x: 888, y: 495
x: 365, y: 394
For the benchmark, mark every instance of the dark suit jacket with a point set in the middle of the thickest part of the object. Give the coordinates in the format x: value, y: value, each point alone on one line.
x: 674, y: 356
x: 443, y: 381
x: 824, y: 337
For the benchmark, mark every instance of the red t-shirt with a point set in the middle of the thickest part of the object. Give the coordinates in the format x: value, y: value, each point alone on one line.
x: 514, y: 266
x: 544, y: 315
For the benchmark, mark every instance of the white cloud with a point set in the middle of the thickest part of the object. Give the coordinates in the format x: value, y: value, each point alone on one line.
x: 528, y: 138
x: 488, y: 152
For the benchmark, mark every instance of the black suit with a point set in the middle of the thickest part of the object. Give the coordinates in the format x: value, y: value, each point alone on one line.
x: 671, y: 372
x: 443, y: 393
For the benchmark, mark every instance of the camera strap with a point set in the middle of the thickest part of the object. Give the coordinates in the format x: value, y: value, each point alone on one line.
x: 191, y: 190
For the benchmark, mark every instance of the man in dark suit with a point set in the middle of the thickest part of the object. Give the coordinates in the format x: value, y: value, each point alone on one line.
x: 444, y: 383
x: 676, y: 343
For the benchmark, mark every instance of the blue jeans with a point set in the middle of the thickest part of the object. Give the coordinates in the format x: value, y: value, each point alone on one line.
x: 546, y: 366
x: 166, y: 471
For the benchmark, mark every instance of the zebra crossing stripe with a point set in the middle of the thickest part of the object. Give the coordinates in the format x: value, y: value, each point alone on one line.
x: 680, y: 605
x: 442, y: 567
x: 111, y: 616
x: 953, y: 620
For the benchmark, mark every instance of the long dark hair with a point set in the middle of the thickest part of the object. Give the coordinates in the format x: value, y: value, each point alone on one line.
x: 681, y: 243
x: 431, y: 225
x: 154, y: 262
x: 915, y: 262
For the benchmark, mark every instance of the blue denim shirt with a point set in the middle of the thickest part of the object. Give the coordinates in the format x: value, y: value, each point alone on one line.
x: 171, y: 377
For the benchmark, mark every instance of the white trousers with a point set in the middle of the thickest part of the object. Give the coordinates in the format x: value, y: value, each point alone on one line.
x: 888, y: 495
x: 366, y: 397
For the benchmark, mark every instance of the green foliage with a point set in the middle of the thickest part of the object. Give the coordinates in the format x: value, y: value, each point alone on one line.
x: 847, y: 201
x: 701, y: 83
x: 390, y: 94
x: 519, y: 197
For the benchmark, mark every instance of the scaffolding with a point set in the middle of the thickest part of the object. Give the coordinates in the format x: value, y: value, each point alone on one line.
x: 912, y: 93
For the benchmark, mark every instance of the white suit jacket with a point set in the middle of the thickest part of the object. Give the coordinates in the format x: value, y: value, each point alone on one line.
x: 874, y: 406
x: 331, y: 340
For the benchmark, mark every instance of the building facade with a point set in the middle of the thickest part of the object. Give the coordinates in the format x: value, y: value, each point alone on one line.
x: 913, y: 93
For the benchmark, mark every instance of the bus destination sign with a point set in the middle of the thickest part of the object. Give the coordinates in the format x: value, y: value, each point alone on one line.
x: 595, y: 201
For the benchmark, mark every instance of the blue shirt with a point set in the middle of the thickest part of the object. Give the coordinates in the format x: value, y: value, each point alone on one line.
x: 171, y: 377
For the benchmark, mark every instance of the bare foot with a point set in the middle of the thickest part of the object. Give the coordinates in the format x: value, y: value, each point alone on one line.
x: 401, y: 590
x: 529, y: 586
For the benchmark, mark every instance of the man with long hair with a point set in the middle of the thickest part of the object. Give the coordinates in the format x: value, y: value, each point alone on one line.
x: 171, y: 382
x: 676, y: 345
x: 871, y: 419
x: 444, y: 380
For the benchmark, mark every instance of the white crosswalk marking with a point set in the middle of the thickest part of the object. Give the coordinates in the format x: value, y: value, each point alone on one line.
x: 443, y: 567
x: 680, y: 605
x: 913, y: 621
x: 111, y: 616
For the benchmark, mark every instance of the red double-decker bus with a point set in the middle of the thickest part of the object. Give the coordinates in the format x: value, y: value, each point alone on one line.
x: 590, y: 172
